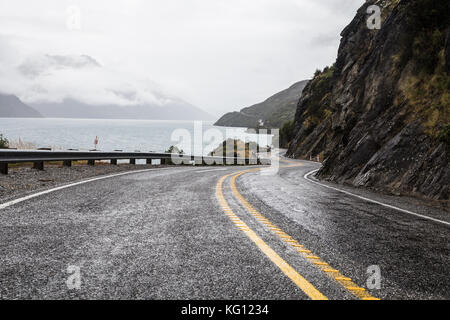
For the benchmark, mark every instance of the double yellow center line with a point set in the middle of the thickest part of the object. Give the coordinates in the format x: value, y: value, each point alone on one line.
x: 290, y: 272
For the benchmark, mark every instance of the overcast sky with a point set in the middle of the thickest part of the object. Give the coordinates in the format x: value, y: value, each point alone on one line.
x: 220, y: 55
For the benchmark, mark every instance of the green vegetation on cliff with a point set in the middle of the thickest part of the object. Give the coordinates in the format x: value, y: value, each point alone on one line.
x: 380, y: 116
x: 427, y: 87
x: 286, y: 133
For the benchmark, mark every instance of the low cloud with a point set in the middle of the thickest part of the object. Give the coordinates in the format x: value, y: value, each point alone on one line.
x: 40, y: 78
x: 41, y: 64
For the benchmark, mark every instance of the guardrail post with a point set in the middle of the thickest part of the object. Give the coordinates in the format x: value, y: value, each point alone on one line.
x: 133, y: 161
x: 38, y: 165
x: 4, y: 168
x: 113, y: 162
x: 67, y: 163
x: 91, y: 162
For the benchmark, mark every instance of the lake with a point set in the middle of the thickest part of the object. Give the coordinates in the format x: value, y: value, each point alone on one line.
x: 126, y: 135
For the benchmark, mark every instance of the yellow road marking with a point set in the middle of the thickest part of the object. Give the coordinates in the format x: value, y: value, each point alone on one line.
x: 290, y: 272
x: 343, y: 278
x: 355, y: 289
x: 321, y: 264
x: 359, y: 292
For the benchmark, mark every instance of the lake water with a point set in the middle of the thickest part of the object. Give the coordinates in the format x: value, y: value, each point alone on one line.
x: 126, y: 135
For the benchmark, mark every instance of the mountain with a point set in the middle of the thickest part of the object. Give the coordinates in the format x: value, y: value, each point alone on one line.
x: 70, y: 108
x: 273, y: 112
x: 12, y: 107
x: 380, y: 117
x: 79, y: 86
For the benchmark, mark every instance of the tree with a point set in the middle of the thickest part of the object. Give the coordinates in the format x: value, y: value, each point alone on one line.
x: 174, y: 150
x: 4, y: 143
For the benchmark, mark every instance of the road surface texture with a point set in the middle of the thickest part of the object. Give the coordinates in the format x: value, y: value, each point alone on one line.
x: 219, y: 233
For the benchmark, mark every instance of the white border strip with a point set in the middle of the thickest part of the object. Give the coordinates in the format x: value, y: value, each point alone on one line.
x: 31, y: 196
x: 210, y: 170
x: 306, y: 176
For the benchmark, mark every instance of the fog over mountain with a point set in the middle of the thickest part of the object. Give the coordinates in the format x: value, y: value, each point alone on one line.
x: 41, y: 64
x: 78, y: 86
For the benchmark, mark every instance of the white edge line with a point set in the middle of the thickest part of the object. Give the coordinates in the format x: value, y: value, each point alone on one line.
x: 38, y: 194
x: 34, y: 195
x: 210, y: 170
x: 306, y: 176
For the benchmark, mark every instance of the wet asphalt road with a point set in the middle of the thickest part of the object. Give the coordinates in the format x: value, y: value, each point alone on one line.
x: 162, y: 235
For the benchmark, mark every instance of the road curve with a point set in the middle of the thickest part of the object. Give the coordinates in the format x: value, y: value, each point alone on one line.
x: 164, y: 234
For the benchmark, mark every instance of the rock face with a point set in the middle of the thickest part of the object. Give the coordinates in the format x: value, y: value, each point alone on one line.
x: 380, y: 117
x: 273, y: 112
x: 447, y: 51
x: 12, y: 107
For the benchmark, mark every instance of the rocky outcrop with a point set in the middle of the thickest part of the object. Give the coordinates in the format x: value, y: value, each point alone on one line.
x: 380, y: 116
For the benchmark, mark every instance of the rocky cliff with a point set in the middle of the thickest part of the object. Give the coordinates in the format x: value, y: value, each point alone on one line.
x: 271, y: 113
x: 380, y: 117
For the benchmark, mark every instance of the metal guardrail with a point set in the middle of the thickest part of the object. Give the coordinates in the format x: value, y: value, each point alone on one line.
x: 38, y: 157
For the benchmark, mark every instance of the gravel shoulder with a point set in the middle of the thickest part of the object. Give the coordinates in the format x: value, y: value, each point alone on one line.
x: 22, y: 181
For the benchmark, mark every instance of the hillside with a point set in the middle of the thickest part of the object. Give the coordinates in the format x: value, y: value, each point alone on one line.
x: 12, y: 107
x: 380, y: 117
x: 273, y: 112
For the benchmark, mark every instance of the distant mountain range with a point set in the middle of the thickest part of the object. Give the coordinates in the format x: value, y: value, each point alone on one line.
x: 70, y: 108
x: 12, y: 107
x: 271, y: 113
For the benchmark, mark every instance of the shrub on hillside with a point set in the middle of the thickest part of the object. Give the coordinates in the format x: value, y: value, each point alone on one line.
x: 4, y: 143
x: 427, y: 21
x: 174, y: 150
x: 444, y: 135
x: 286, y: 133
